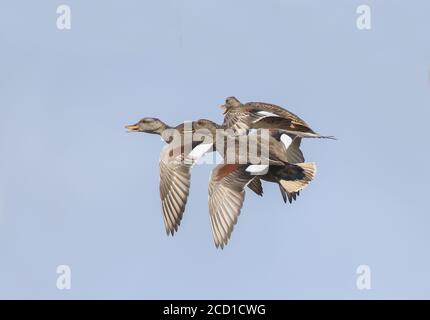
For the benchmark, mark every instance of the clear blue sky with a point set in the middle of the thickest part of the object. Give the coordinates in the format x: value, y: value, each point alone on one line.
x: 75, y: 189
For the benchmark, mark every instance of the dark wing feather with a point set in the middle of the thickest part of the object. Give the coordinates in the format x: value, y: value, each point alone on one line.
x: 256, y: 186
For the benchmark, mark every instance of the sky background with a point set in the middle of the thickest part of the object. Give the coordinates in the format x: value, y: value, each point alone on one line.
x: 75, y: 189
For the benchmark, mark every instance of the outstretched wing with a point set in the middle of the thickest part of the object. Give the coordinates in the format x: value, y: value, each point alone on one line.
x: 175, y: 176
x: 239, y: 120
x: 174, y: 188
x: 226, y: 196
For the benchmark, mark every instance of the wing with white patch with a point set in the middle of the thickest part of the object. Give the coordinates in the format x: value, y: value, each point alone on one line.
x: 268, y: 110
x: 266, y: 116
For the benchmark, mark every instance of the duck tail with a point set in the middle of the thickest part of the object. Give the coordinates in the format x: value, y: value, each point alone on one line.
x: 287, y: 195
x: 327, y: 137
x: 310, y: 135
x: 294, y: 178
x: 318, y: 136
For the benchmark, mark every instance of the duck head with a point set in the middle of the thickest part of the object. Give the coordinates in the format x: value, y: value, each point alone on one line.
x: 230, y: 102
x: 148, y: 125
x: 206, y: 125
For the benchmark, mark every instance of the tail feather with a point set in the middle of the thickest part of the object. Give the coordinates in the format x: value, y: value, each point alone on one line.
x: 287, y: 195
x: 316, y: 135
x: 309, y: 134
x: 294, y: 180
x: 284, y: 194
x: 292, y: 196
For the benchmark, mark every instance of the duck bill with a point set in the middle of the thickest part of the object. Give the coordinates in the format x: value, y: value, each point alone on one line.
x: 132, y: 127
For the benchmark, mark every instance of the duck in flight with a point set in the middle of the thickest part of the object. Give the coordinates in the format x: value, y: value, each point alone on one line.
x: 228, y: 180
x: 176, y: 160
x: 284, y: 126
x: 284, y: 164
x: 175, y: 169
x: 260, y: 115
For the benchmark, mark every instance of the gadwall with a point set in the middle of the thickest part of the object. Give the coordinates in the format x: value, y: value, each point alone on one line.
x: 175, y: 169
x: 176, y: 162
x: 260, y: 115
x: 228, y: 181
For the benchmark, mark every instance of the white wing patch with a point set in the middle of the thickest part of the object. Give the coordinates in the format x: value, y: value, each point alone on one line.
x: 200, y: 150
x: 257, y: 169
x: 286, y: 140
x: 266, y: 114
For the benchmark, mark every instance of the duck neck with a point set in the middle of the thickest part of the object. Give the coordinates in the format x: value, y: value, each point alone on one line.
x: 161, y: 128
x: 165, y: 131
x: 161, y: 131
